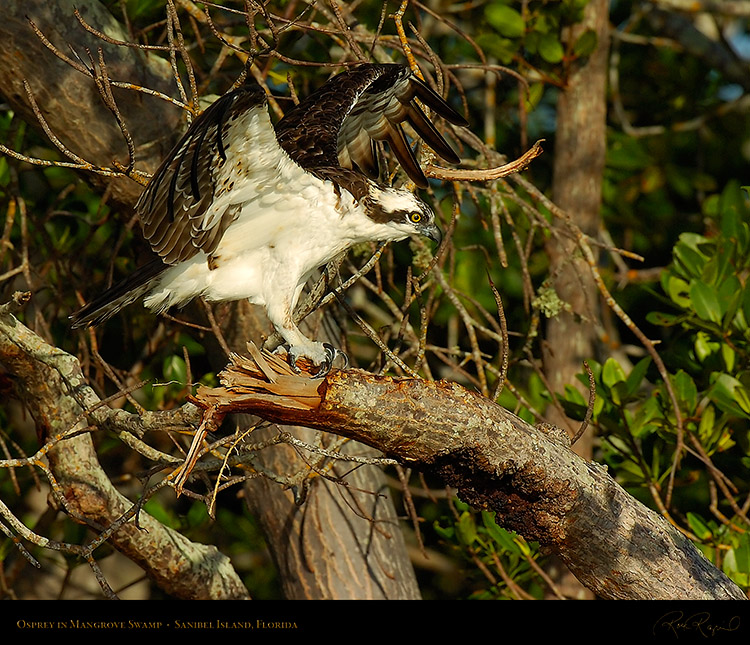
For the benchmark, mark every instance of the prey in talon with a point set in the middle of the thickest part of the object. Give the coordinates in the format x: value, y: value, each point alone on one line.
x: 243, y: 209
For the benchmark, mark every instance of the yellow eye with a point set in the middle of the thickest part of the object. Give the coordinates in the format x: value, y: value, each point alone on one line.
x: 415, y: 217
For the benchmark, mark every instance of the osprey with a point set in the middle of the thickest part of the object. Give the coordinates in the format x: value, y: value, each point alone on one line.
x: 242, y: 209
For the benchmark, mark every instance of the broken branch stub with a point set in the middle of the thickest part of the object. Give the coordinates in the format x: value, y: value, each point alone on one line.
x: 435, y: 426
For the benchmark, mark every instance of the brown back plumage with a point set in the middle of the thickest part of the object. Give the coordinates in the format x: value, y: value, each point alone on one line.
x: 337, y: 125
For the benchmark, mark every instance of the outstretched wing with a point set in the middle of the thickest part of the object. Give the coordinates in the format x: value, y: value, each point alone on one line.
x: 175, y: 208
x: 338, y: 124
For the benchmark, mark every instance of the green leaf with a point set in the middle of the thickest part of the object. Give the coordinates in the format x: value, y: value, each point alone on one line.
x: 585, y: 44
x: 197, y: 515
x: 573, y: 404
x: 685, y: 390
x: 504, y: 49
x: 698, y: 526
x: 466, y: 528
x: 745, y: 304
x: 707, y: 422
x: 737, y: 561
x: 503, y: 538
x: 642, y: 421
x: 4, y: 172
x: 637, y: 374
x: 730, y: 395
x: 731, y: 299
x: 445, y: 532
x: 729, y: 356
x: 536, y: 91
x: 162, y: 515
x: 720, y: 263
x: 175, y: 369
x: 550, y: 48
x: 613, y: 376
x: 612, y: 373
x: 733, y: 211
x: 704, y: 345
x: 688, y: 255
x: 523, y: 545
x: 574, y: 395
x: 678, y: 290
x: 743, y: 399
x: 506, y: 20
x: 461, y: 506
x: 705, y: 301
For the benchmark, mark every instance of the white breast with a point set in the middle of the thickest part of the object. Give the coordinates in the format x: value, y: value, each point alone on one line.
x: 289, y: 223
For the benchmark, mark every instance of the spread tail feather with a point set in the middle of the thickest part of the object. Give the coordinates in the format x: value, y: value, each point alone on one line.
x: 120, y: 295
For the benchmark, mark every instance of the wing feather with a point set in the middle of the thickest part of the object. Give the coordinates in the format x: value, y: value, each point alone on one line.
x: 174, y: 209
x: 366, y: 103
x: 394, y: 135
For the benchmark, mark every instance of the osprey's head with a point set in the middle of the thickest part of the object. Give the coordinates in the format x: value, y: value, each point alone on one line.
x: 403, y: 212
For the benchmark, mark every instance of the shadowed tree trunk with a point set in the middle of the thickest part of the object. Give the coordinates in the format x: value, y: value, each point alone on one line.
x: 580, y: 146
x: 344, y: 541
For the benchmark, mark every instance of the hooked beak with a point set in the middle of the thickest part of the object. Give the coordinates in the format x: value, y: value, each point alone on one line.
x: 433, y: 232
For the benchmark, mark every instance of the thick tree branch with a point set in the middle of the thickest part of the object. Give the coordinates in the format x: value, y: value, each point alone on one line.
x: 51, y: 385
x: 68, y: 100
x: 527, y: 475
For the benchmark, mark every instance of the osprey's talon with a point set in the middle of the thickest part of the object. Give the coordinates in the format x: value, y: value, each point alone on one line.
x: 325, y: 362
x: 325, y: 367
x: 334, y: 353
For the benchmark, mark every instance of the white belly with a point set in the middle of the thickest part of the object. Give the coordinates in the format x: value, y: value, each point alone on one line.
x: 269, y: 251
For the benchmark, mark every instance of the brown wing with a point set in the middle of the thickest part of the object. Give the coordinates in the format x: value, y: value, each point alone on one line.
x: 173, y: 205
x: 338, y: 124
